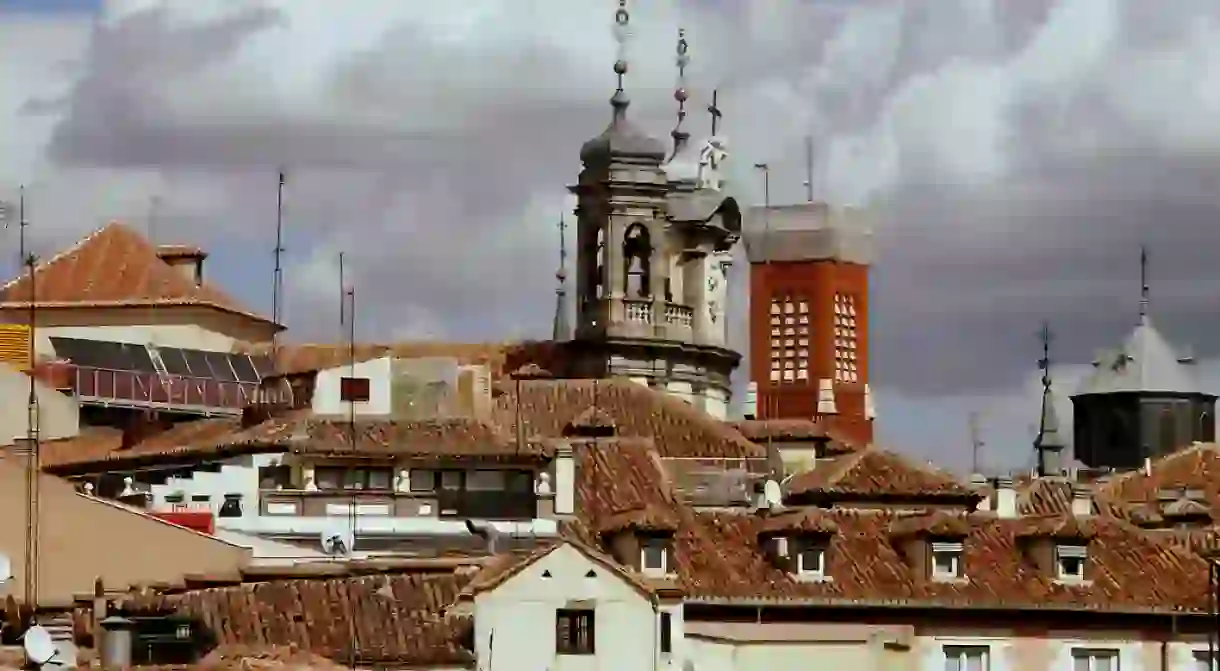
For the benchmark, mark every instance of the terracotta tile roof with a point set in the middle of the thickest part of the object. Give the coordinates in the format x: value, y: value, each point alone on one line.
x: 501, y: 358
x: 113, y: 266
x: 450, y: 437
x: 1045, y: 496
x: 874, y: 474
x: 105, y: 444
x: 1195, y: 469
x: 867, y: 568
x: 621, y: 484
x: 548, y: 408
x: 395, y: 618
x: 781, y: 429
x: 803, y: 520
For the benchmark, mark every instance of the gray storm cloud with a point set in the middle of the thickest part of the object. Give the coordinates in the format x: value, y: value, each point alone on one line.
x: 1017, y: 154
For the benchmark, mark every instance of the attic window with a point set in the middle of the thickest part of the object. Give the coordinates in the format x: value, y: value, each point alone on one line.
x: 946, y: 561
x: 811, y: 561
x: 354, y: 389
x: 656, y: 556
x: 1069, y: 562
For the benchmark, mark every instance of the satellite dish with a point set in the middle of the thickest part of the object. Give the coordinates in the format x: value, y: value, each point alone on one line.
x: 39, y: 648
x: 6, y: 568
x: 65, y: 655
x: 773, y: 498
x: 338, y: 541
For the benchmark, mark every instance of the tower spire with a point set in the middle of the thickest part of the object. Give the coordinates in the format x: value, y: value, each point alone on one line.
x: 1048, y: 445
x: 622, y: 33
x: 559, y: 327
x: 1143, y: 283
x: 679, y: 135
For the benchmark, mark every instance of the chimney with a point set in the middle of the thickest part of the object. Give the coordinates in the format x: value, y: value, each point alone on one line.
x: 1005, y: 498
x: 826, y: 397
x: 978, y: 483
x: 474, y: 391
x: 185, y: 259
x: 870, y: 406
x: 565, y: 480
x: 1082, y: 500
x: 750, y: 406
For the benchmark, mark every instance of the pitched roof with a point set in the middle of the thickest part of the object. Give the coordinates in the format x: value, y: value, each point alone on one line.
x: 405, y: 625
x: 501, y: 568
x: 876, y: 474
x: 75, y: 526
x: 678, y: 429
x: 621, y: 484
x: 106, y: 444
x: 113, y: 266
x: 1145, y: 362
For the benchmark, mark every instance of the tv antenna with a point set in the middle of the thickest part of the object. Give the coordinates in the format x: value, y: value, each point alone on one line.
x: 277, y: 286
x: 976, y: 440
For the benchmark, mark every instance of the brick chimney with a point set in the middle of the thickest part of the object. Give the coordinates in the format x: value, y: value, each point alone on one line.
x: 186, y: 259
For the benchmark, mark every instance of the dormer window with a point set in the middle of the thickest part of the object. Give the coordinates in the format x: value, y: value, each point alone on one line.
x: 811, y: 561
x: 946, y: 561
x: 1069, y: 562
x: 656, y: 557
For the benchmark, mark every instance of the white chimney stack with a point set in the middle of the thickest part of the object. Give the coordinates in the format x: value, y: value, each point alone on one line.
x: 870, y: 406
x: 826, y: 397
x: 1082, y: 501
x: 565, y: 480
x: 1005, y: 498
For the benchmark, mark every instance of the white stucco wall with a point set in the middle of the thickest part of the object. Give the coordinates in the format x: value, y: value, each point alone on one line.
x: 518, y: 618
x: 1054, y: 652
x: 238, y: 475
x: 326, y: 398
x: 58, y: 414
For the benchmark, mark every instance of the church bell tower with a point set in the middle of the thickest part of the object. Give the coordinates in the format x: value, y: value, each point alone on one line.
x: 654, y: 241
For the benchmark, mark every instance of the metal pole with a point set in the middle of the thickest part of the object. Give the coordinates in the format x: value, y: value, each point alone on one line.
x: 32, y: 466
x: 769, y: 398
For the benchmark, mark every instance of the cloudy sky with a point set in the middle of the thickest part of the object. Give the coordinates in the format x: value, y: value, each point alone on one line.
x: 1017, y: 155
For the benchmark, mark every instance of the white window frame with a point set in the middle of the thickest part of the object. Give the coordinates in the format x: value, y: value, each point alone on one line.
x: 811, y: 572
x: 656, y: 571
x: 954, y: 552
x: 964, y: 652
x: 1076, y: 552
x: 1091, y: 655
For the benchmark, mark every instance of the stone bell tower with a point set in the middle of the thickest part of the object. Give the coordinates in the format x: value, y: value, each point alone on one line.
x: 653, y: 243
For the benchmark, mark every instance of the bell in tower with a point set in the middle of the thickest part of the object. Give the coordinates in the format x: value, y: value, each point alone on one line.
x: 654, y: 240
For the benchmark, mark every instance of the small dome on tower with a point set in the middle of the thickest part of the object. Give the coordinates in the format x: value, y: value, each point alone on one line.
x: 622, y: 139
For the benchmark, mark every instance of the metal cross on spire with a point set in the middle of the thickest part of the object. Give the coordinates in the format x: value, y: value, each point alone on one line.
x: 1044, y: 364
x: 714, y: 110
x: 680, y: 93
x: 622, y: 32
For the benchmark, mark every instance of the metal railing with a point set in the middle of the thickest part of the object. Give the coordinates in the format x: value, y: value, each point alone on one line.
x: 153, y: 389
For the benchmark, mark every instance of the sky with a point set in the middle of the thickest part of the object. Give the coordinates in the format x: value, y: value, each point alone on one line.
x: 1015, y: 155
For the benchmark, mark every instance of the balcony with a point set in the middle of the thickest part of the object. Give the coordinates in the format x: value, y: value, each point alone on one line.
x: 181, y: 393
x: 489, y: 505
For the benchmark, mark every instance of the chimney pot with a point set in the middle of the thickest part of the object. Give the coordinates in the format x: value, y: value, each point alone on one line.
x: 565, y: 480
x: 186, y: 259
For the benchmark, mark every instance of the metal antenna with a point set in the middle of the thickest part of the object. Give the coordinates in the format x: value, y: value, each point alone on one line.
x: 976, y: 440
x: 809, y: 168
x: 714, y: 110
x: 22, y: 224
x: 32, y: 463
x: 1045, y: 336
x: 277, y: 288
x: 342, y: 295
x: 1143, y: 283
x: 770, y: 402
x: 559, y: 326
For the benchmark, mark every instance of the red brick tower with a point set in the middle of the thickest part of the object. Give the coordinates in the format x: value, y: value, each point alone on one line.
x: 809, y: 332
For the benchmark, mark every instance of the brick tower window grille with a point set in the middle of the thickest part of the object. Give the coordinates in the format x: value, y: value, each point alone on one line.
x: 846, y: 363
x: 789, y: 339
